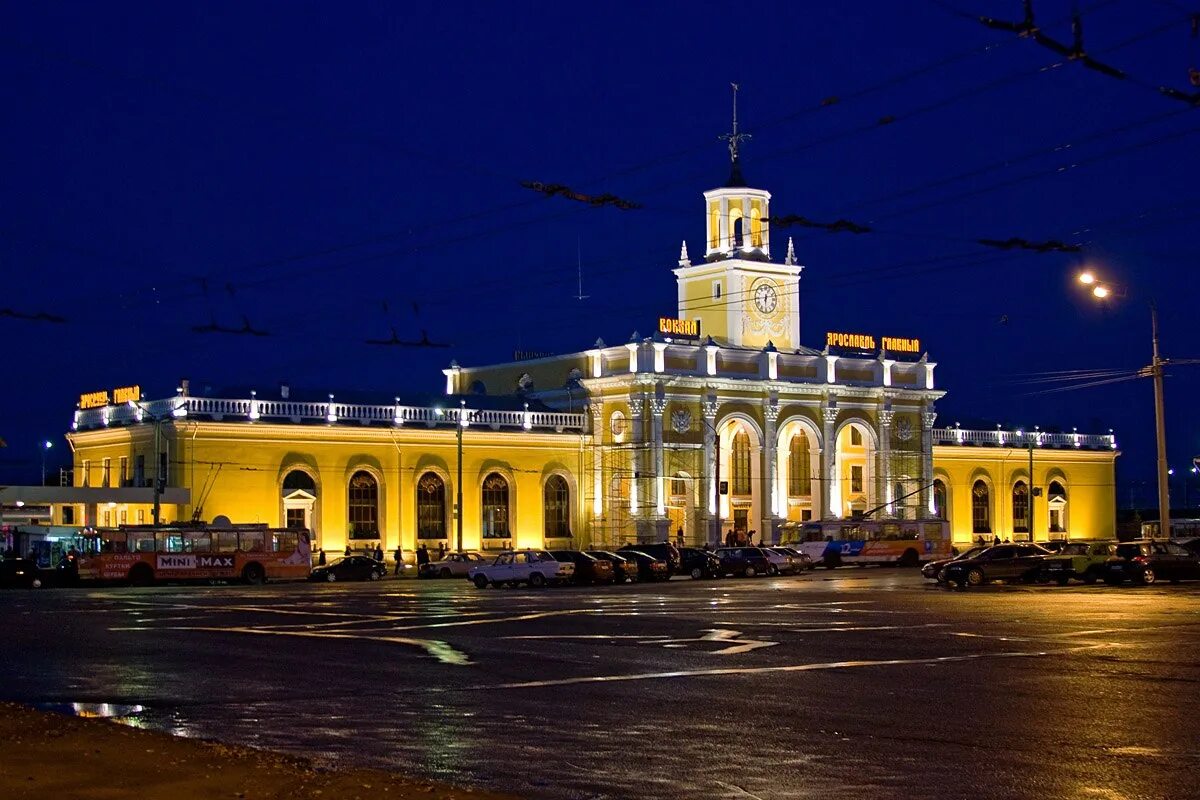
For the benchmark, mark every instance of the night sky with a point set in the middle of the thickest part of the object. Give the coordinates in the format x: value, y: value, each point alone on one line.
x: 331, y: 172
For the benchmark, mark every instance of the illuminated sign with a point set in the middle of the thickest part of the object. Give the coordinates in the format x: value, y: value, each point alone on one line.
x: 126, y: 394
x: 119, y: 396
x: 93, y: 400
x: 679, y: 328
x: 866, y: 341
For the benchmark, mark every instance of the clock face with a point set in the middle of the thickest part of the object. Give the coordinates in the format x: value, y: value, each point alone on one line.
x: 766, y: 300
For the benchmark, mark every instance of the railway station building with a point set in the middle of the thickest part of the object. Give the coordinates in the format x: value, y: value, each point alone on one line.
x: 719, y: 418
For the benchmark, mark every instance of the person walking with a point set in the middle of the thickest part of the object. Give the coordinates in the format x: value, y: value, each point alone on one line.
x: 379, y: 552
x: 321, y: 557
x: 399, y: 560
x: 422, y: 556
x: 750, y: 538
x: 441, y: 550
x: 679, y: 536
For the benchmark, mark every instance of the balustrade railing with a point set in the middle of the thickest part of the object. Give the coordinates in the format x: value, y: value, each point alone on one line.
x: 294, y: 411
x: 1001, y: 438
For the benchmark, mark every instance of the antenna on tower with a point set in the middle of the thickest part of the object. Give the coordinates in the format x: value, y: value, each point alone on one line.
x: 735, y: 138
x: 579, y: 269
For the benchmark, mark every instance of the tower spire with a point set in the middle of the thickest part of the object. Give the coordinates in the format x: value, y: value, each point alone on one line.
x: 735, y: 138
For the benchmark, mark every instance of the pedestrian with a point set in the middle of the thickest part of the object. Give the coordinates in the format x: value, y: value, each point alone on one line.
x: 379, y: 552
x: 399, y: 560
x: 679, y: 536
x: 321, y: 557
x: 348, y: 551
x: 996, y: 540
x: 441, y: 551
x: 422, y: 555
x: 750, y: 538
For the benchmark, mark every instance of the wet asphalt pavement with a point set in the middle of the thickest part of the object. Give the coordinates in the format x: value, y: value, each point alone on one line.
x: 858, y: 683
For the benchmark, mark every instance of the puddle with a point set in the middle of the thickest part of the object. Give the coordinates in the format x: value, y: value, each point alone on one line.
x: 121, y: 713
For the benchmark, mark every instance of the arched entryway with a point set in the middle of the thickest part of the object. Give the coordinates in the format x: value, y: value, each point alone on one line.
x: 741, y: 475
x: 798, y: 455
x: 299, y: 495
x: 853, y: 487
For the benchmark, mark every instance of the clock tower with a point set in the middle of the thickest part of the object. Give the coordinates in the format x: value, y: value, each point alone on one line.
x: 740, y: 296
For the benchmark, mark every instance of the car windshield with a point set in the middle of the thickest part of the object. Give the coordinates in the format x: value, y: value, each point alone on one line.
x: 1074, y: 549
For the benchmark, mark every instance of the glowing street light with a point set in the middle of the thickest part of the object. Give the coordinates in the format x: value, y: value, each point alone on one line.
x: 1102, y: 290
x: 46, y: 445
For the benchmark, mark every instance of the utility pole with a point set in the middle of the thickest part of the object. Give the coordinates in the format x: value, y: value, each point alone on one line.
x: 1160, y: 430
x: 1032, y: 491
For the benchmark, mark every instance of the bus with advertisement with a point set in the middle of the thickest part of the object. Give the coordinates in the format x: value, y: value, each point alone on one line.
x: 900, y: 542
x: 147, y: 554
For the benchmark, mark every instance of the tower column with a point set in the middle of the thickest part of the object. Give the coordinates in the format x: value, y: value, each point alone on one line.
x: 831, y: 502
x: 886, y: 415
x: 726, y: 242
x: 928, y: 417
x: 770, y: 517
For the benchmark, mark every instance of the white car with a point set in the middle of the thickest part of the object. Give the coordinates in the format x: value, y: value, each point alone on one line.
x: 535, y: 567
x: 454, y: 565
x: 782, y: 562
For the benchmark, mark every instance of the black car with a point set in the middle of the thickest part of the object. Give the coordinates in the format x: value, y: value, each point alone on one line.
x: 746, y: 561
x: 932, y: 569
x: 350, y: 568
x: 664, y: 551
x: 1003, y: 562
x: 588, y: 568
x: 20, y: 573
x: 650, y: 568
x: 1148, y: 561
x: 699, y: 563
x: 624, y: 567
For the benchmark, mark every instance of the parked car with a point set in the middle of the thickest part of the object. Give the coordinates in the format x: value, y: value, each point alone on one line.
x: 20, y: 573
x: 932, y: 570
x: 806, y: 561
x: 664, y: 551
x: 624, y: 567
x: 1192, y: 544
x: 535, y: 567
x: 1084, y: 561
x: 350, y: 568
x: 588, y: 568
x: 1005, y: 562
x: 746, y: 561
x: 1148, y: 561
x: 699, y: 563
x: 783, y: 562
x: 649, y: 567
x: 454, y: 565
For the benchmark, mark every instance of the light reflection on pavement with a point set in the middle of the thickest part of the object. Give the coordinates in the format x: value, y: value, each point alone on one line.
x: 859, y: 683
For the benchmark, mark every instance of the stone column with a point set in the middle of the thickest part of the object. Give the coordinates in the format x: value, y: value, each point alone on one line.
x: 928, y: 417
x: 657, y: 488
x: 708, y: 474
x: 770, y: 517
x: 886, y: 415
x: 829, y: 462
x: 597, y: 516
x: 636, y: 439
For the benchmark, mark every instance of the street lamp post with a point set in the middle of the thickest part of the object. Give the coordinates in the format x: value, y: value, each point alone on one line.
x: 458, y: 493
x: 46, y: 445
x: 1103, y: 290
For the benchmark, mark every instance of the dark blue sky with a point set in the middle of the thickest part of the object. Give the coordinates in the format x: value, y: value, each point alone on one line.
x: 327, y: 159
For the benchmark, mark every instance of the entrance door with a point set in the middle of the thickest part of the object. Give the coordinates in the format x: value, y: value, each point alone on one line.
x: 741, y: 519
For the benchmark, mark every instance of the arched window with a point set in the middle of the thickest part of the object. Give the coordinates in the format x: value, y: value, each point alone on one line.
x: 981, y: 508
x: 939, y: 499
x: 799, y: 467
x: 299, y: 479
x: 1020, y: 507
x: 756, y: 237
x: 679, y: 487
x: 1057, y: 500
x: 556, y: 505
x: 495, y: 507
x: 856, y: 439
x: 431, y: 507
x: 363, y: 506
x: 740, y: 460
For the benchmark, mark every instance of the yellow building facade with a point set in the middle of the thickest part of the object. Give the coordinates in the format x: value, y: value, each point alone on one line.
x: 719, y: 420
